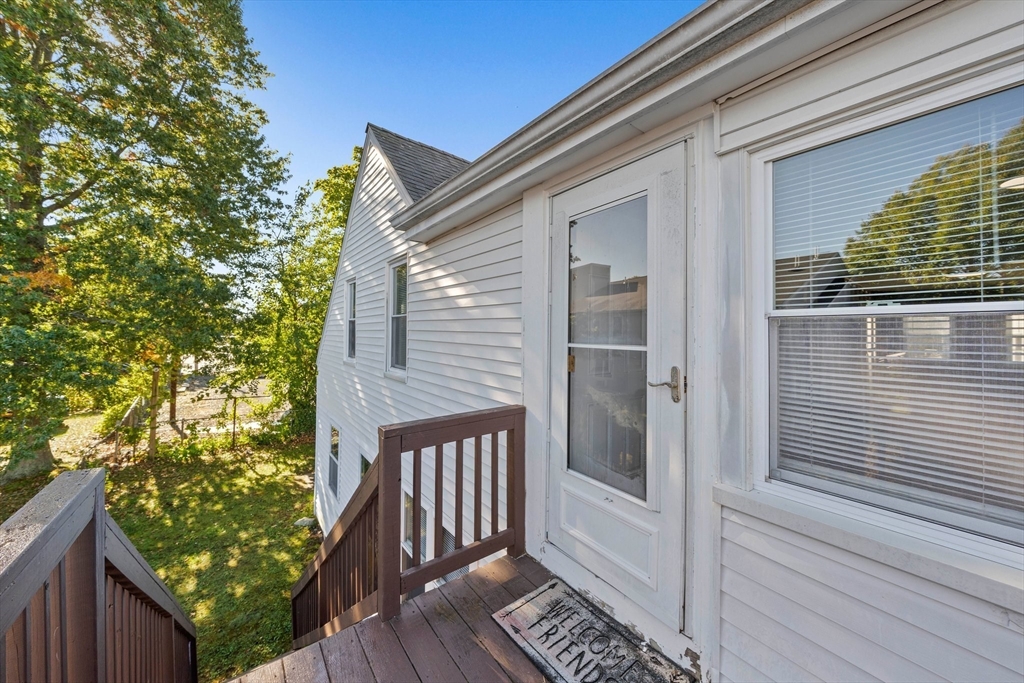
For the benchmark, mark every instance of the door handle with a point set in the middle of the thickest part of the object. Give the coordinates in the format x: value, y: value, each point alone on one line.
x: 672, y: 384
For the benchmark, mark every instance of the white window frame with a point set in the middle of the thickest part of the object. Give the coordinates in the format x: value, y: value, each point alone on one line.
x: 759, y: 295
x: 335, y: 458
x: 394, y: 371
x: 350, y: 320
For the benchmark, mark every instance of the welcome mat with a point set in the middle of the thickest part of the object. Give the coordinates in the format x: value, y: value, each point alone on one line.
x: 571, y: 640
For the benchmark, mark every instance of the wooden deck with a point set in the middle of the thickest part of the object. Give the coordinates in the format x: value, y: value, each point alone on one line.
x: 443, y: 635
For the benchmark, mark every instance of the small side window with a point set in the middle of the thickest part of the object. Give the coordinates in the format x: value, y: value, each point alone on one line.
x: 397, y: 312
x: 364, y: 465
x: 332, y: 465
x: 351, y: 316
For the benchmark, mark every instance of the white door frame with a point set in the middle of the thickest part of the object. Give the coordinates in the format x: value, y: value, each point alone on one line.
x: 537, y: 209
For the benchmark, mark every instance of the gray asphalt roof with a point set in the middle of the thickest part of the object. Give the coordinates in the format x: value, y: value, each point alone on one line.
x: 420, y: 167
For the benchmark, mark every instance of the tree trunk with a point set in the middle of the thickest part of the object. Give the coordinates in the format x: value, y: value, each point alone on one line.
x: 173, y: 386
x: 154, y: 407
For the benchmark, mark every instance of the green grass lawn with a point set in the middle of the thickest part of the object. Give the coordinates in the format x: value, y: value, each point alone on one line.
x: 218, y: 528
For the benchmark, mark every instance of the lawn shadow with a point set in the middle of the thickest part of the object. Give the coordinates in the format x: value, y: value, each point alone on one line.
x: 219, y: 529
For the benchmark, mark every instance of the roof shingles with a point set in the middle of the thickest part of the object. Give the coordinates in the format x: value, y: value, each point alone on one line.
x: 420, y: 167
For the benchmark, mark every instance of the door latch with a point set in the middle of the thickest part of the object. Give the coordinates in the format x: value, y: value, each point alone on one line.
x: 672, y: 384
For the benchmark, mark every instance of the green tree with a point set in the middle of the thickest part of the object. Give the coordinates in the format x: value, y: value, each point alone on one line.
x: 124, y: 128
x: 289, y: 315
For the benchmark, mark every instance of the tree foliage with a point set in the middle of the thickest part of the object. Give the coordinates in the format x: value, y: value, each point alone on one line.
x: 288, y: 318
x: 134, y: 180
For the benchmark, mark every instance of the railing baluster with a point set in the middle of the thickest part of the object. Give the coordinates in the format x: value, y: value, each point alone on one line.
x: 63, y: 620
x: 477, y: 485
x: 358, y: 560
x: 494, y: 483
x: 438, y: 501
x: 48, y: 629
x: 417, y: 493
x: 460, y: 476
x: 348, y: 573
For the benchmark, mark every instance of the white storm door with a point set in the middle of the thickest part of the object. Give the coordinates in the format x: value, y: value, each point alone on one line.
x: 615, y: 504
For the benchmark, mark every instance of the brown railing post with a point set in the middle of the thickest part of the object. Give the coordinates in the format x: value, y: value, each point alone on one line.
x: 389, y: 525
x: 516, y: 447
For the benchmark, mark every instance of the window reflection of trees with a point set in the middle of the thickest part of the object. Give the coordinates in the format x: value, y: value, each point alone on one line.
x: 957, y: 232
x: 921, y: 406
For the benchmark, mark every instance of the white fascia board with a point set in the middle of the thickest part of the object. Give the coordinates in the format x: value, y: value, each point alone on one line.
x: 716, y: 49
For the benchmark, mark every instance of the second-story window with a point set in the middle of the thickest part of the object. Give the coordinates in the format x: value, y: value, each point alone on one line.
x: 397, y: 312
x: 351, y: 315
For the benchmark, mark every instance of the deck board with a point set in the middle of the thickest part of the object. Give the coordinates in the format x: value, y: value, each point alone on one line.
x: 428, y: 656
x: 345, y: 660
x: 477, y: 615
x: 475, y: 662
x: 529, y: 568
x: 505, y: 580
x: 442, y: 635
x: 305, y: 666
x: 384, y: 652
x: 272, y: 672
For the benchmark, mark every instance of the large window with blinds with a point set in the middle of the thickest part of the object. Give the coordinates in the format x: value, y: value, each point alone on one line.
x: 897, y: 325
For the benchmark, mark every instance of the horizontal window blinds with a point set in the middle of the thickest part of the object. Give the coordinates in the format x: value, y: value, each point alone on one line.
x: 921, y: 413
x: 928, y: 210
x: 927, y: 409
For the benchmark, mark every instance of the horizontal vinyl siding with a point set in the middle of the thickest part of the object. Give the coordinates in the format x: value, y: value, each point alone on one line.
x: 464, y: 338
x: 795, y: 609
x: 898, y: 59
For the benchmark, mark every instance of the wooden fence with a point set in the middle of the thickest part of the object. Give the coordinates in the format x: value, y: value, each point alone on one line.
x: 358, y: 569
x: 77, y: 600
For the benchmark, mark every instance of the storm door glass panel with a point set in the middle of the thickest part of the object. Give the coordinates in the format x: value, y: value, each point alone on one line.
x: 608, y: 346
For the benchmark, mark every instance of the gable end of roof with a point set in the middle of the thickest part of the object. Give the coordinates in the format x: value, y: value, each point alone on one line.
x: 420, y: 168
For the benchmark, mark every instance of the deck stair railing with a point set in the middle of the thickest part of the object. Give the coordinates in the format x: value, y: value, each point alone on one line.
x: 358, y: 569
x: 77, y: 600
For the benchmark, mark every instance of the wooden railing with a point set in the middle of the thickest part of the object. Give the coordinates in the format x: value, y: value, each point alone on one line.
x: 78, y: 602
x: 339, y: 587
x: 358, y: 569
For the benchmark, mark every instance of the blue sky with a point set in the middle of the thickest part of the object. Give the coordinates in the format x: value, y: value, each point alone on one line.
x: 461, y: 76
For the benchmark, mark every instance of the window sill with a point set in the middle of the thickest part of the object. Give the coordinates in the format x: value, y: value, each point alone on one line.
x: 998, y: 582
x: 349, y: 361
x: 397, y: 376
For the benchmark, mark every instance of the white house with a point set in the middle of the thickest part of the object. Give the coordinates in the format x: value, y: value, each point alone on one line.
x: 810, y: 215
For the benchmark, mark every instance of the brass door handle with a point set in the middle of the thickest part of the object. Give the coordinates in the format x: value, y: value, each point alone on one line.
x: 672, y: 384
